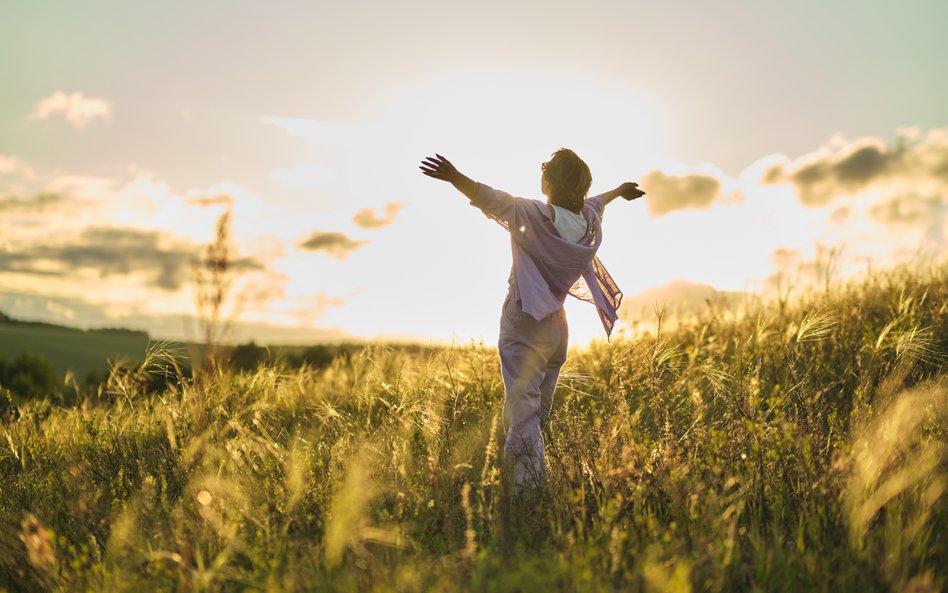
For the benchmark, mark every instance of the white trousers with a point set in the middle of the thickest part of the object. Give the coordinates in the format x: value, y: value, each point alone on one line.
x: 531, y: 355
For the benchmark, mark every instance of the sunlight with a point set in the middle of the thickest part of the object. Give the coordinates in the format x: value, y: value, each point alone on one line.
x: 495, y: 125
x: 499, y: 118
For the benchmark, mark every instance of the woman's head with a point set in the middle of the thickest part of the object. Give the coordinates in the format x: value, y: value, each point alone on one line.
x: 566, y: 180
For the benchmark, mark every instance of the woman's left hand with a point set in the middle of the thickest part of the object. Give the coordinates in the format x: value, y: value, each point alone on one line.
x: 630, y: 191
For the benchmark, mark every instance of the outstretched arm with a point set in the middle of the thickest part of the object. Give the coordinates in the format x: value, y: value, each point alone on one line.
x: 629, y: 191
x: 495, y: 203
x: 440, y: 168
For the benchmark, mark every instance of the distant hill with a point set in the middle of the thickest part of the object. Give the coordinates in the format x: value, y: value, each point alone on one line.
x: 69, y: 348
x: 85, y: 351
x: 4, y: 318
x: 679, y: 297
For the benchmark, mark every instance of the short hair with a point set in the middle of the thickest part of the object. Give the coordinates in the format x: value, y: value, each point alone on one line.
x: 570, y: 179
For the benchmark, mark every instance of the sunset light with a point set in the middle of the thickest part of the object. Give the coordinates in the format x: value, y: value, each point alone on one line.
x: 510, y: 296
x: 318, y: 166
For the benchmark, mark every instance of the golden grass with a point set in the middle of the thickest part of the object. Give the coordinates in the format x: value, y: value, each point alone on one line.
x: 799, y: 446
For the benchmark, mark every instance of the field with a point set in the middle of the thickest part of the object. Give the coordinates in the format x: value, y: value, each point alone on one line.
x: 785, y: 446
x: 71, y: 350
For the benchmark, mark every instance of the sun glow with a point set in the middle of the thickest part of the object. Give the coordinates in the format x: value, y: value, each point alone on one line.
x: 441, y: 256
x: 504, y: 118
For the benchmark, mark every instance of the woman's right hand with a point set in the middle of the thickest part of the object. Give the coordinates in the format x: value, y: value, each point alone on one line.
x: 630, y: 190
x: 439, y: 168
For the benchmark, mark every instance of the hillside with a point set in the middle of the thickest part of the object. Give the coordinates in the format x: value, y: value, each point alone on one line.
x: 678, y: 298
x: 85, y: 351
x: 71, y: 349
x: 787, y: 448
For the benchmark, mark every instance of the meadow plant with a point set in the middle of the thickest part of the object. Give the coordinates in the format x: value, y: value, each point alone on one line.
x: 797, y: 445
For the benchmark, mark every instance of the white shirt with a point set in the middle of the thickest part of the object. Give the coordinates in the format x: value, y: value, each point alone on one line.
x: 571, y: 226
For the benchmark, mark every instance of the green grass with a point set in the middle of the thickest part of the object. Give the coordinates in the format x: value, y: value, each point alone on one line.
x: 794, y: 447
x: 68, y: 349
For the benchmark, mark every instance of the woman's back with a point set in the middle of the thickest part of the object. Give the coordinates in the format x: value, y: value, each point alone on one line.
x: 570, y: 225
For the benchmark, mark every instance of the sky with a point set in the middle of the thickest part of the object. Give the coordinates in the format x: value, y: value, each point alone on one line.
x: 767, y: 136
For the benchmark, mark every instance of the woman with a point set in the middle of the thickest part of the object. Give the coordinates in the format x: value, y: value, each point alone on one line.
x: 554, y: 254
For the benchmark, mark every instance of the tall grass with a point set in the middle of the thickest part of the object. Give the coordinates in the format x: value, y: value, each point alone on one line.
x: 797, y: 446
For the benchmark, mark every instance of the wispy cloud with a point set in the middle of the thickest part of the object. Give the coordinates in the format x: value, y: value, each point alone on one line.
x: 335, y: 244
x: 38, y: 203
x: 308, y: 309
x: 112, y: 251
x: 694, y: 191
x: 368, y: 220
x: 76, y: 108
x: 208, y: 201
x: 909, y: 209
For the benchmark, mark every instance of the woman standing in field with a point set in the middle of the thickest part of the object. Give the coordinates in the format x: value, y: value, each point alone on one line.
x: 554, y: 248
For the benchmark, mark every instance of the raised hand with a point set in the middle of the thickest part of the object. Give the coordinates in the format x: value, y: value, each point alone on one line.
x: 630, y: 191
x: 439, y: 168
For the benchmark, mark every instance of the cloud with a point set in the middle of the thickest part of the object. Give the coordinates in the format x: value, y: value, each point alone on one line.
x: 38, y: 203
x: 78, y: 109
x: 841, y: 215
x: 785, y: 258
x: 207, y: 201
x: 368, y: 220
x: 902, y: 187
x: 128, y: 246
x: 307, y: 309
x: 665, y: 192
x: 909, y: 209
x: 910, y: 163
x: 112, y: 251
x: 335, y: 244
x: 925, y: 214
